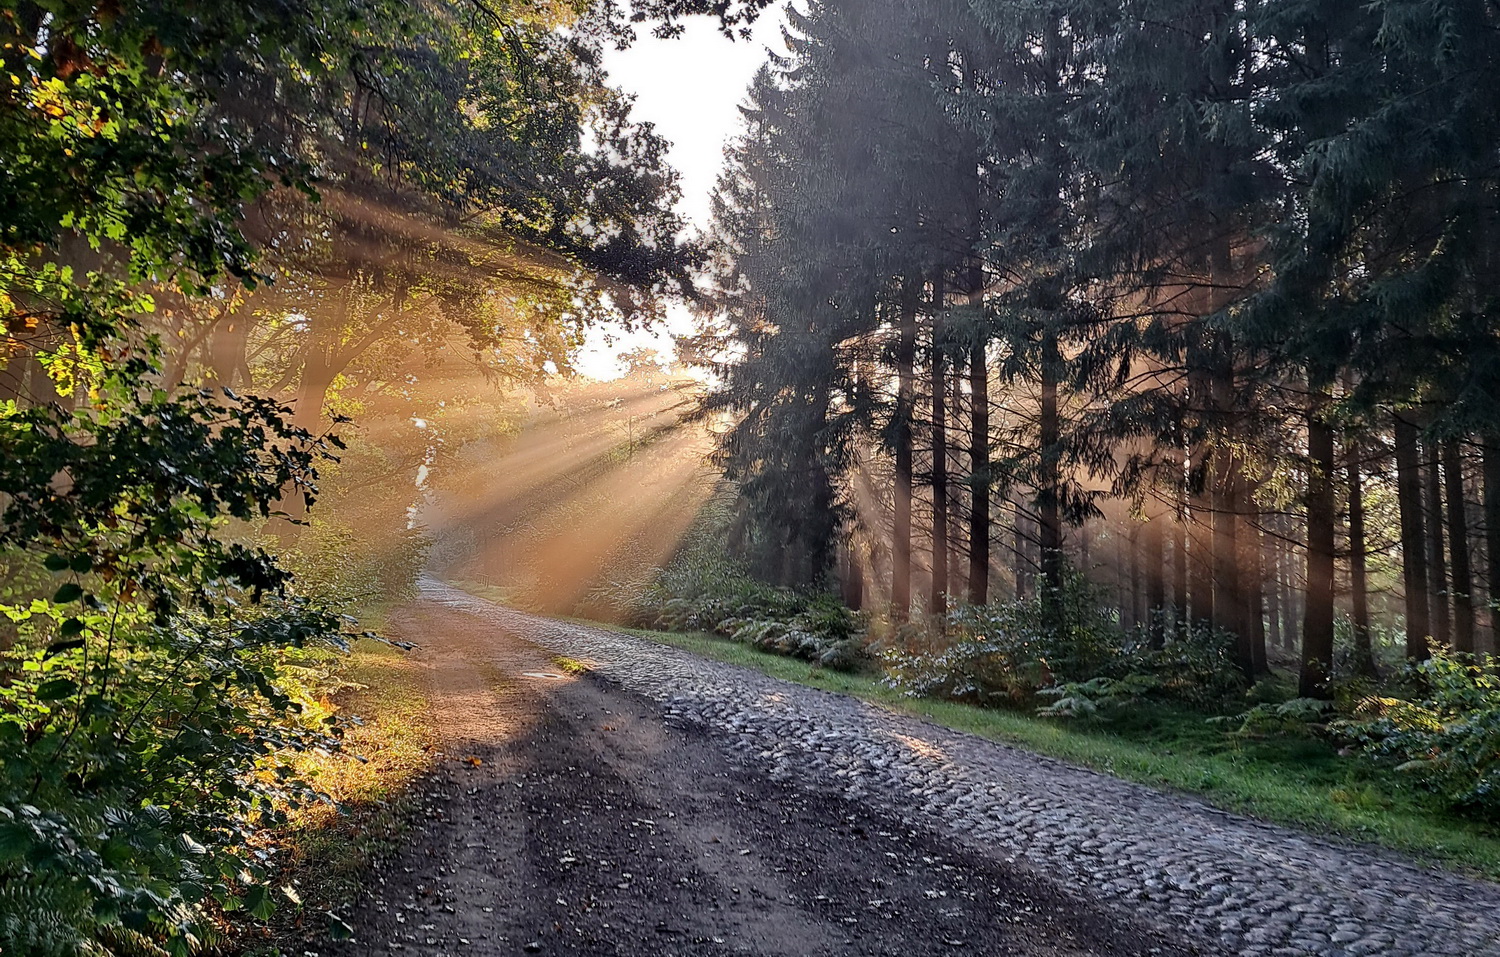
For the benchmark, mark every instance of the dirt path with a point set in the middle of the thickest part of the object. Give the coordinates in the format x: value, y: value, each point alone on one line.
x: 571, y: 817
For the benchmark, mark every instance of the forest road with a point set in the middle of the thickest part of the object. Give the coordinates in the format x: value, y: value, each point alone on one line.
x: 568, y: 815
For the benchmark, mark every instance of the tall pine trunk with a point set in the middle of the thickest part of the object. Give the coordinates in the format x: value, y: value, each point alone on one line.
x: 906, y: 348
x: 937, y: 601
x: 1492, y: 534
x: 1252, y: 571
x: 1179, y: 546
x: 1359, y: 589
x: 1257, y: 604
x: 1458, y: 547
x: 1049, y: 505
x: 958, y: 555
x: 1229, y: 613
x: 1154, y: 564
x: 853, y: 576
x: 1317, y: 623
x: 979, y: 464
x: 1272, y: 551
x: 1437, y: 567
x: 1200, y: 501
x: 1413, y: 543
x: 1023, y: 550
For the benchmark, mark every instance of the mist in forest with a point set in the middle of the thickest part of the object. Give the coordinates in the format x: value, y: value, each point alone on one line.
x: 585, y: 495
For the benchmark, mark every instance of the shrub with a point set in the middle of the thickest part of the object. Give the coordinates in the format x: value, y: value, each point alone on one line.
x: 1296, y: 716
x: 356, y: 568
x: 147, y: 709
x: 1195, y: 666
x: 1445, y: 734
x: 1018, y: 653
x: 700, y: 590
x: 1077, y: 699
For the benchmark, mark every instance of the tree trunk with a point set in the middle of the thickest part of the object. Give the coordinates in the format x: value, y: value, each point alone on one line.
x: 1317, y: 623
x: 1437, y: 567
x: 906, y: 348
x: 1023, y: 551
x: 1257, y: 607
x: 1272, y: 549
x: 1413, y: 544
x: 1359, y: 589
x: 1200, y: 508
x: 1253, y: 567
x: 853, y: 577
x: 958, y: 556
x: 979, y: 464
x: 1127, y: 568
x: 1154, y: 564
x: 937, y: 602
x: 1492, y: 534
x: 1049, y: 503
x: 1458, y: 547
x: 1229, y: 603
x: 226, y: 360
x: 1179, y: 551
x: 1228, y: 595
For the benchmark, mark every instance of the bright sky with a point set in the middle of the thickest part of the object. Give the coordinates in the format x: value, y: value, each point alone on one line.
x: 690, y: 88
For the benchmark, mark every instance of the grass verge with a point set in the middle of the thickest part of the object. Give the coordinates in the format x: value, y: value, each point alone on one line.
x: 1298, y: 781
x: 328, y: 850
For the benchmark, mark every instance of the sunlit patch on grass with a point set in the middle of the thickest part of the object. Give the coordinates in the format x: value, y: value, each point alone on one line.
x: 389, y: 743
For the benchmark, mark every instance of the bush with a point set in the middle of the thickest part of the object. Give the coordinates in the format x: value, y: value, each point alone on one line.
x: 1019, y: 653
x: 1446, y: 734
x: 1296, y: 716
x: 1078, y: 699
x: 703, y: 591
x: 147, y: 704
x: 356, y: 568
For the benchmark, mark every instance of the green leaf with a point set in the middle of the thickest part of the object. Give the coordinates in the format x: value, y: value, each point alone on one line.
x: 56, y: 688
x: 70, y: 627
x: 58, y: 647
x: 338, y: 928
x: 191, y: 846
x: 55, y: 563
x: 81, y: 563
x: 72, y: 591
x: 259, y: 903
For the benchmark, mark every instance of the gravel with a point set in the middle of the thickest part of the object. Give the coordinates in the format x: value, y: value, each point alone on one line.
x: 1247, y: 887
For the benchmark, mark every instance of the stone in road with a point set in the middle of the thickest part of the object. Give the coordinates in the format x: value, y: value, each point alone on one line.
x: 1235, y: 885
x: 572, y: 816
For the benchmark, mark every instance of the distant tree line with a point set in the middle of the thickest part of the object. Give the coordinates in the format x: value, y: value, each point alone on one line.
x: 1200, y: 298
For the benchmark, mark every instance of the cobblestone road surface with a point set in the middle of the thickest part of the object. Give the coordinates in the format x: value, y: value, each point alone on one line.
x: 1255, y: 889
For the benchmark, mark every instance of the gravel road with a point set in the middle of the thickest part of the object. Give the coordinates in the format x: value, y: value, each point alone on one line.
x: 570, y: 815
x: 1103, y: 859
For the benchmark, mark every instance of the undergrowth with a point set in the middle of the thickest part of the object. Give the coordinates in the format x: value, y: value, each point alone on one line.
x: 702, y: 589
x: 326, y: 849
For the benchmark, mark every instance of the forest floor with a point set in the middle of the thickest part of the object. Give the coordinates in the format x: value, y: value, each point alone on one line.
x: 599, y: 793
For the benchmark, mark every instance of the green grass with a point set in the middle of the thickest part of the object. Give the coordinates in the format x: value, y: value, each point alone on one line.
x: 331, y: 848
x: 1298, y: 781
